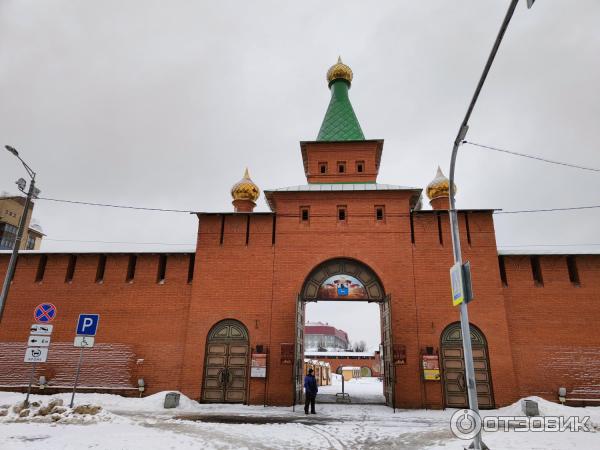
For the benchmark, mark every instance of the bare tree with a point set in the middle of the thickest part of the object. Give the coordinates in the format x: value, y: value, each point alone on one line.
x: 321, y: 347
x: 359, y: 346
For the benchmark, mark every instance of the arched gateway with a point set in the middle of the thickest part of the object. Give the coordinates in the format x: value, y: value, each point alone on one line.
x: 344, y: 279
x: 454, y: 384
x: 226, y: 365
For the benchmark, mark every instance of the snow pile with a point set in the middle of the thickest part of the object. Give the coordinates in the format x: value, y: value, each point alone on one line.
x: 547, y: 409
x: 53, y: 410
x: 111, y: 402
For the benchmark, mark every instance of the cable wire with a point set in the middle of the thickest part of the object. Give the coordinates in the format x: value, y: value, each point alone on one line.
x: 546, y: 210
x: 140, y: 208
x: 538, y: 158
x: 108, y: 205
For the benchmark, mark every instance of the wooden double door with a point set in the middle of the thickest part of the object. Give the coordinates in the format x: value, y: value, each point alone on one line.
x: 453, y: 369
x: 226, y: 363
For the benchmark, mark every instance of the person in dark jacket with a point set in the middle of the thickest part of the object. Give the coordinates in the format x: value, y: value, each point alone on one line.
x: 310, y: 389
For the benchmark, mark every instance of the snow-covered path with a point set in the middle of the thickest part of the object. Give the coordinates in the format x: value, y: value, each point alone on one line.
x: 361, y: 390
x: 130, y: 423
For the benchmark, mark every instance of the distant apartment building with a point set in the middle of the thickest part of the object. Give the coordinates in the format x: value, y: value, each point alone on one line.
x: 322, y: 335
x: 11, y: 209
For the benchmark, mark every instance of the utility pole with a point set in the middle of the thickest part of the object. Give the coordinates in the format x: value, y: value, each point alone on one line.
x: 477, y: 443
x: 33, y: 192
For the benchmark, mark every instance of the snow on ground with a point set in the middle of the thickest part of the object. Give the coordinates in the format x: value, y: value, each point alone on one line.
x: 361, y: 390
x: 133, y: 423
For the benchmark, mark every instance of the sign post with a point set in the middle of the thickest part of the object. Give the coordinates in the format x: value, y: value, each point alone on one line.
x: 38, y: 342
x: 30, y: 383
x: 87, y: 326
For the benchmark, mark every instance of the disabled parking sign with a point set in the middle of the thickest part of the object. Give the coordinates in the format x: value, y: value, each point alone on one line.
x: 87, y: 325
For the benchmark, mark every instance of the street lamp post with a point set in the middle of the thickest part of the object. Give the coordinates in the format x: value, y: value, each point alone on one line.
x: 462, y: 133
x: 32, y: 192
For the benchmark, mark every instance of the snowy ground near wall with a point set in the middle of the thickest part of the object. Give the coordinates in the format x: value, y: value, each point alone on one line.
x: 368, y: 390
x: 131, y: 423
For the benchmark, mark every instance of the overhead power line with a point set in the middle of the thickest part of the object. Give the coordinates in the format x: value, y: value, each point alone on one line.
x: 538, y: 158
x: 109, y: 205
x: 141, y: 208
x: 547, y: 210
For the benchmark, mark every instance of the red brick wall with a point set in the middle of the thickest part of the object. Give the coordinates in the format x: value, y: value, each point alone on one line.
x: 432, y: 261
x: 554, y: 327
x: 539, y: 338
x: 233, y: 280
x: 147, y: 317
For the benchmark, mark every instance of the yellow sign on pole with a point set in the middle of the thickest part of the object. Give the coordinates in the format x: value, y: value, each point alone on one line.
x: 456, y: 279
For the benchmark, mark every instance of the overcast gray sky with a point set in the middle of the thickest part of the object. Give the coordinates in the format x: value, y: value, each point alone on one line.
x: 163, y: 104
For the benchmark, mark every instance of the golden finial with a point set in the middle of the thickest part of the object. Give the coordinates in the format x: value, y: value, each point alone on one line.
x: 339, y: 71
x: 439, y: 186
x: 245, y: 189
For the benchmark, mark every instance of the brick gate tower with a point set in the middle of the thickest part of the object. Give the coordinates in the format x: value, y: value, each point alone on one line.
x: 202, y: 318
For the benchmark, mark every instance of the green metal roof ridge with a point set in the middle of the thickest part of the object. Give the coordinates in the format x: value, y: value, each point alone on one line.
x: 340, y: 122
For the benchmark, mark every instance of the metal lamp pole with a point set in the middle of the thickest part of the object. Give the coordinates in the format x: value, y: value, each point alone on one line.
x: 462, y: 133
x: 15, y: 252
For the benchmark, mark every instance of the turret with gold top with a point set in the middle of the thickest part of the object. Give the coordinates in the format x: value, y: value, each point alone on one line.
x: 438, y: 191
x: 340, y: 122
x: 339, y: 71
x: 244, y: 194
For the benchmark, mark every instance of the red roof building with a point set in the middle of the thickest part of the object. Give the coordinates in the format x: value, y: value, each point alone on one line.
x: 322, y: 335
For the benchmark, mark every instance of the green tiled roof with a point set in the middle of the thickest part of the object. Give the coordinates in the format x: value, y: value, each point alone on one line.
x: 340, y: 122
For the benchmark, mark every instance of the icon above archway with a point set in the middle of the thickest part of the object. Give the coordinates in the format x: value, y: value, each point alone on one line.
x: 344, y: 287
x: 342, y: 279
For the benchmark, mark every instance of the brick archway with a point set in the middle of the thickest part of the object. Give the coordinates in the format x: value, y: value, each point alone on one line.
x: 355, y: 282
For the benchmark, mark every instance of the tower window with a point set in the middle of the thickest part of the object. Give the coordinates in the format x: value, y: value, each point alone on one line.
x: 322, y: 167
x: 536, y: 270
x: 341, y: 213
x: 360, y: 166
x: 341, y: 166
x: 573, y: 272
x: 379, y: 213
x: 304, y: 213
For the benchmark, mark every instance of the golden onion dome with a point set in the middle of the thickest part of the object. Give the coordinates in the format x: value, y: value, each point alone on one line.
x: 439, y: 186
x: 339, y: 71
x: 245, y: 189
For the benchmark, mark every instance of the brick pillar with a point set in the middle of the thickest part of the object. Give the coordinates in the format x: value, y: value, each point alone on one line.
x: 440, y: 203
x: 243, y: 205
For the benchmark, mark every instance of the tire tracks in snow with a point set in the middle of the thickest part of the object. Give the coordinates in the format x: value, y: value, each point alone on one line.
x: 331, y: 440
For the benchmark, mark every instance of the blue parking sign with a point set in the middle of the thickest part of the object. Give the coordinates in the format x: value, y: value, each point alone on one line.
x: 87, y: 325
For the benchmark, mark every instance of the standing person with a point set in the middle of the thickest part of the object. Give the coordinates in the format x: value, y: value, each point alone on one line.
x: 310, y: 389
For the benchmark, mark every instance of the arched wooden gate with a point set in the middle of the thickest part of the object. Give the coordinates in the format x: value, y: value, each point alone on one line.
x: 453, y: 367
x: 226, y: 363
